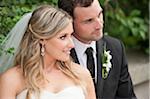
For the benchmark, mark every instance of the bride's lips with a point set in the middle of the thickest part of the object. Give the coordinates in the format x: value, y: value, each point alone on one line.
x: 67, y: 51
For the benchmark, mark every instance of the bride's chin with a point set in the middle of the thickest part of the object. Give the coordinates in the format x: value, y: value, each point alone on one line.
x: 66, y: 58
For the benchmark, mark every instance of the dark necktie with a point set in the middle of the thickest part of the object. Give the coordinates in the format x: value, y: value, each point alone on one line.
x: 90, y: 62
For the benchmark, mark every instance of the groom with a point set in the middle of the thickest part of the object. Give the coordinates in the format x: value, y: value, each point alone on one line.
x: 104, y: 56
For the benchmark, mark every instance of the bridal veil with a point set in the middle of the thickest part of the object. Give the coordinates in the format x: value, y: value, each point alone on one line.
x: 13, y: 40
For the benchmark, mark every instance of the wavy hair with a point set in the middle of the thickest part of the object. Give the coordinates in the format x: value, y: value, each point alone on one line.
x: 45, y: 23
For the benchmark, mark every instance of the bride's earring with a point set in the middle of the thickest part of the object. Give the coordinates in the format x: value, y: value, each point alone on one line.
x: 42, y: 50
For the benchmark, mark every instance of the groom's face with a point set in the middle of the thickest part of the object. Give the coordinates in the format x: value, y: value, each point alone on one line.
x: 88, y: 22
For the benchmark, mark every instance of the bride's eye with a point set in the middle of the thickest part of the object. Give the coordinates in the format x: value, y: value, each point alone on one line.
x: 63, y: 37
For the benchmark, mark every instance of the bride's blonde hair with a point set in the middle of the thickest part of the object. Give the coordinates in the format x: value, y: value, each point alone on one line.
x: 45, y: 22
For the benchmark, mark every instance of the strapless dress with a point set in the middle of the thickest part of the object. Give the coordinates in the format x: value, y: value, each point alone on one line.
x: 73, y: 92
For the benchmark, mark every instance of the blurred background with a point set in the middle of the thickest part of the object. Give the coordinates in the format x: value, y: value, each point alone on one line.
x: 127, y: 20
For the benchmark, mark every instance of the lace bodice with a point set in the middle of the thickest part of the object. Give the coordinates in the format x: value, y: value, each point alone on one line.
x: 74, y: 92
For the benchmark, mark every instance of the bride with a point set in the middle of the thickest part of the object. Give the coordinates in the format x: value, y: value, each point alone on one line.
x: 42, y: 65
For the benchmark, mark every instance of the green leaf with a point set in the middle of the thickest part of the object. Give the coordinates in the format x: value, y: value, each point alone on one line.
x: 135, y: 12
x: 138, y: 20
x: 142, y: 34
x: 2, y: 37
x: 10, y: 50
x: 135, y: 31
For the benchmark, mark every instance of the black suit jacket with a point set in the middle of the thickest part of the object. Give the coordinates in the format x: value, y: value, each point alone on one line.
x: 118, y: 84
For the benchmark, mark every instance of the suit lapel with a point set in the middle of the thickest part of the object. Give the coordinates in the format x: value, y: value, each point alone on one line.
x: 100, y: 80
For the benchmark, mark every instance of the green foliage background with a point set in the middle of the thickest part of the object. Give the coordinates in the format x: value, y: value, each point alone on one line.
x: 124, y: 19
x: 128, y: 20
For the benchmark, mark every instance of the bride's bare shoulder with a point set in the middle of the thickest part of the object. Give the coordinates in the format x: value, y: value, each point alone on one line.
x: 11, y: 79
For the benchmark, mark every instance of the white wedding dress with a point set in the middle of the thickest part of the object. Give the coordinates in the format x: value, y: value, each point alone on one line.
x: 74, y: 92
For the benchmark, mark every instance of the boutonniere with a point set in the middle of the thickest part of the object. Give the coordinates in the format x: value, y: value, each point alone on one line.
x: 106, y: 62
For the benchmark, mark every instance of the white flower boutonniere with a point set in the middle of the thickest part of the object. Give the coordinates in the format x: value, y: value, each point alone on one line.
x: 106, y: 63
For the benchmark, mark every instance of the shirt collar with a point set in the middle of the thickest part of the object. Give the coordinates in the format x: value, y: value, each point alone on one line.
x: 81, y: 47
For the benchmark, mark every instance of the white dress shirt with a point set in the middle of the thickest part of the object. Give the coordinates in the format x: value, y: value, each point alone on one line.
x: 80, y: 49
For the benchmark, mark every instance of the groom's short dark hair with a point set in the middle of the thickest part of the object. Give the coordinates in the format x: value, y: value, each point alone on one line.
x: 69, y: 5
